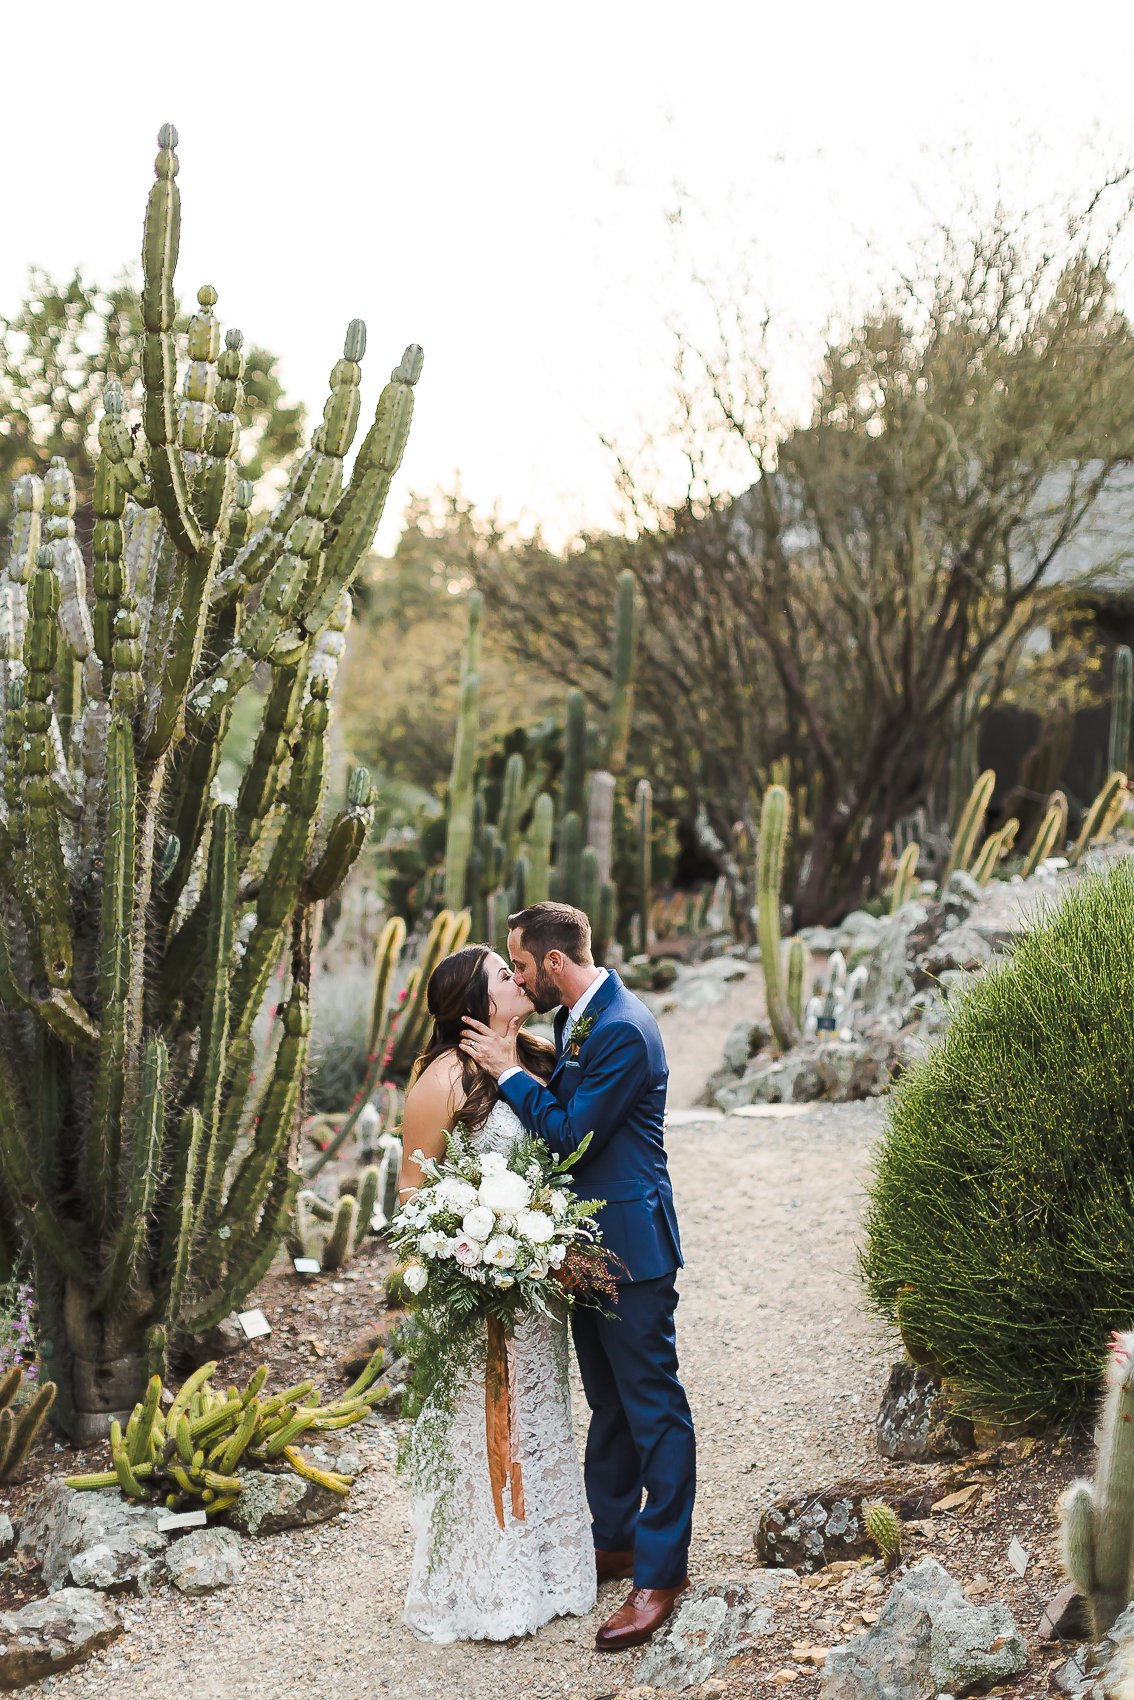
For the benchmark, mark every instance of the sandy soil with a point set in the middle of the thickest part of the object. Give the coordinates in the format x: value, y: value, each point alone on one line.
x: 783, y: 1372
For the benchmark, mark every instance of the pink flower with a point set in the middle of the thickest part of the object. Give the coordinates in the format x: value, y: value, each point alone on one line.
x: 466, y: 1251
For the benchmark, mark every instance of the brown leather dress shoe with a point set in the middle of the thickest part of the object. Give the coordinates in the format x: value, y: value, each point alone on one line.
x: 614, y: 1566
x: 644, y: 1610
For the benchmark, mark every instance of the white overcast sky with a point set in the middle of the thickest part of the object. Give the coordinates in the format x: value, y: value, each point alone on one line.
x: 491, y: 180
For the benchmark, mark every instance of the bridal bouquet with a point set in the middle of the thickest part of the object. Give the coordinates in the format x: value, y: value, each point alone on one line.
x: 484, y: 1240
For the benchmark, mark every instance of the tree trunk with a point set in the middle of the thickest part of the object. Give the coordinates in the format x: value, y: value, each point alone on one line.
x: 99, y: 1364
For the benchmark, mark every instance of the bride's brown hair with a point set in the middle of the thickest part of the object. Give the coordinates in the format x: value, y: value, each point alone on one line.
x: 459, y: 987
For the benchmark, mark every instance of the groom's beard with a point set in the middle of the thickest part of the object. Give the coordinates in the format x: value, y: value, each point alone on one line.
x: 545, y: 994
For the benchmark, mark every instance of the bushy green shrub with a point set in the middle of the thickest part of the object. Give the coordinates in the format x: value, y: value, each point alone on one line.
x: 1000, y: 1224
x: 338, y: 1037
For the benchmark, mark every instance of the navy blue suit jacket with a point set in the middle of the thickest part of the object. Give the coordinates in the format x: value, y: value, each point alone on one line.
x: 615, y: 1090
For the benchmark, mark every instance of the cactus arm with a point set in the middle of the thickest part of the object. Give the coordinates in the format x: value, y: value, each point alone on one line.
x: 1114, y: 788
x: 1077, y: 1514
x: 46, y: 879
x: 345, y: 839
x: 539, y: 849
x: 510, y: 806
x: 969, y: 826
x: 571, y: 859
x: 775, y: 817
x: 1050, y: 835
x: 59, y: 501
x: 178, y: 1249
x: 575, y: 756
x: 160, y: 242
x: 797, y: 963
x: 340, y: 1241
x: 905, y: 877
x: 261, y: 779
x: 622, y: 659
x: 359, y: 510
x: 115, y: 932
x: 141, y: 1181
x: 414, y: 1010
x: 24, y: 1427
x: 387, y: 955
x: 255, y: 560
x: 590, y: 883
x: 252, y: 1257
x: 108, y: 544
x: 274, y: 1122
x: 22, y: 1179
x: 211, y: 1067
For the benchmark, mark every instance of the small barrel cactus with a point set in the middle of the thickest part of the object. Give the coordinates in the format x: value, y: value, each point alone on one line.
x: 884, y: 1527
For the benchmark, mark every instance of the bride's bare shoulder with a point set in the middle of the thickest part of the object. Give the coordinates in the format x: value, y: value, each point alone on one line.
x: 440, y: 1086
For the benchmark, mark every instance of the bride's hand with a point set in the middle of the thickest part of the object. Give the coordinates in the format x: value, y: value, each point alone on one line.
x: 494, y: 1052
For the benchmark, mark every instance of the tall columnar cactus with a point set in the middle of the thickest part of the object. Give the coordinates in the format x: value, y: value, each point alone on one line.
x: 970, y: 826
x: 905, y: 884
x: 459, y: 840
x: 573, y: 785
x: 1121, y: 699
x: 539, y: 849
x: 796, y: 973
x: 644, y: 831
x: 1050, y: 836
x: 1100, y: 818
x: 148, y: 1157
x: 775, y: 822
x: 1098, y: 1516
x: 623, y: 652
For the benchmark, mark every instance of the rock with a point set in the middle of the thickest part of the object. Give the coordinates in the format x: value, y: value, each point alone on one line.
x: 699, y: 993
x: 964, y: 889
x: 806, y: 1531
x: 961, y: 948
x: 7, y: 1535
x: 61, y: 1522
x: 53, y: 1634
x: 205, y: 1560
x: 743, y: 1042
x: 889, y: 979
x: 116, y: 1564
x: 1104, y: 1671
x: 273, y: 1501
x: 641, y: 974
x: 221, y: 1341
x: 1065, y: 1617
x: 714, y: 1621
x: 915, y: 1420
x: 358, y: 1352
x: 928, y: 1639
x: 833, y: 1070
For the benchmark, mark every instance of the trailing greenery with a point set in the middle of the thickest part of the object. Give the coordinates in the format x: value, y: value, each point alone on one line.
x: 999, y: 1234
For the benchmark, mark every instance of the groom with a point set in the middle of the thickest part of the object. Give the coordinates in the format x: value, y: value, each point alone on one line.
x: 610, y: 1082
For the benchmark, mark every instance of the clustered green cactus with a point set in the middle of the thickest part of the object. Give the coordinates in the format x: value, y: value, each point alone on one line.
x: 332, y: 1233
x: 142, y: 920
x: 190, y: 1453
x: 1098, y: 1516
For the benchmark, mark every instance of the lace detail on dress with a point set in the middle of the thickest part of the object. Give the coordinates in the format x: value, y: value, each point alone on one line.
x: 470, y: 1580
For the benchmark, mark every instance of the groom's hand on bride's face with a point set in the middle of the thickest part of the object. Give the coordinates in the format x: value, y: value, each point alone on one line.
x: 493, y: 1051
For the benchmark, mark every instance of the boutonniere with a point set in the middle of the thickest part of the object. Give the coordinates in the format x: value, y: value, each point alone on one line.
x: 578, y: 1033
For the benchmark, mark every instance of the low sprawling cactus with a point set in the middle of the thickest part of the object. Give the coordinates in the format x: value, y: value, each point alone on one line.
x: 146, y: 1160
x: 1098, y: 1516
x: 775, y: 822
x: 970, y: 826
x: 189, y: 1453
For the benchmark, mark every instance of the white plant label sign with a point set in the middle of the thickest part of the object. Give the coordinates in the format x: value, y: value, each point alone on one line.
x: 254, y: 1323
x: 1018, y: 1556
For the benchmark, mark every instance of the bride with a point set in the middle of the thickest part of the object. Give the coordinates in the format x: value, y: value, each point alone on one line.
x: 470, y: 1580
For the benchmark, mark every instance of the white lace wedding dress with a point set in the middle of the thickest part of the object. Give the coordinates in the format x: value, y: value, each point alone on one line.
x: 470, y: 1580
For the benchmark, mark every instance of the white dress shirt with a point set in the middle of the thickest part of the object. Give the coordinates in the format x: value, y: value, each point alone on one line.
x: 573, y: 1015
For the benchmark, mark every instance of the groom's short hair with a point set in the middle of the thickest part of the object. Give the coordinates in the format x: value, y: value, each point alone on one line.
x: 553, y: 926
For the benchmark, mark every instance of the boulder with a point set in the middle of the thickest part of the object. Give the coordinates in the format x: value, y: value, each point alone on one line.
x: 714, y: 1622
x: 1104, y: 1671
x: 929, y: 1639
x: 53, y: 1634
x: 62, y: 1522
x: 963, y: 891
x: 916, y: 1422
x: 205, y: 1560
x: 1065, y: 1617
x: 834, y: 1070
x: 271, y: 1501
x: 807, y: 1531
x: 961, y: 948
x: 7, y: 1535
x: 117, y: 1564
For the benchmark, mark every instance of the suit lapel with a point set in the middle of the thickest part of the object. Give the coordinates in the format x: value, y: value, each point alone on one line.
x: 597, y: 1005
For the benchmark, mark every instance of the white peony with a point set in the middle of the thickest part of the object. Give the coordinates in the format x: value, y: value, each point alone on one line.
x: 432, y: 1244
x: 535, y: 1225
x: 501, y: 1252
x: 456, y: 1195
x: 538, y: 1271
x: 505, y: 1193
x: 501, y: 1280
x: 492, y: 1163
x: 466, y: 1251
x: 555, y: 1255
x: 479, y: 1223
x: 558, y: 1205
x: 416, y: 1278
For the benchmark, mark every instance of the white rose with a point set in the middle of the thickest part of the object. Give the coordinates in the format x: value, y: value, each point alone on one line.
x: 492, y: 1163
x: 416, y: 1278
x: 535, y: 1225
x: 457, y: 1195
x: 479, y: 1223
x: 505, y: 1193
x: 558, y: 1205
x: 555, y: 1255
x: 466, y: 1251
x: 501, y: 1252
x: 538, y: 1271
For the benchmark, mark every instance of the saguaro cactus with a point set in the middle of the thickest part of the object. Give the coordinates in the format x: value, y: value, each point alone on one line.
x: 142, y: 921
x: 1121, y: 696
x: 1098, y: 1516
x: 775, y: 820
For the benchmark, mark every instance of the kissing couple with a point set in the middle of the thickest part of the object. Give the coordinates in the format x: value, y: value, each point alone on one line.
x: 606, y: 1076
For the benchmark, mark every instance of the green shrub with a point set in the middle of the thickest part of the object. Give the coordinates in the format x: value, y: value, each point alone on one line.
x: 338, y: 1037
x: 1000, y: 1224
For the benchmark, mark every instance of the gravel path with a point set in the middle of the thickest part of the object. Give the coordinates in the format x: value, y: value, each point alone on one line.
x: 784, y: 1374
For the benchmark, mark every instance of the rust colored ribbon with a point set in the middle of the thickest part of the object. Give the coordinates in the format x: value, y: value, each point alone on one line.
x: 501, y: 1424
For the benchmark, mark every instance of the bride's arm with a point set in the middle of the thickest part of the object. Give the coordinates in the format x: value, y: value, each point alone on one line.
x: 432, y: 1105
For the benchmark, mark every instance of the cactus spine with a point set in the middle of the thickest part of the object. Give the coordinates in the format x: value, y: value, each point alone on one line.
x: 1098, y: 1516
x: 459, y: 838
x: 1121, y: 698
x: 775, y: 822
x: 970, y: 826
x: 143, y: 920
